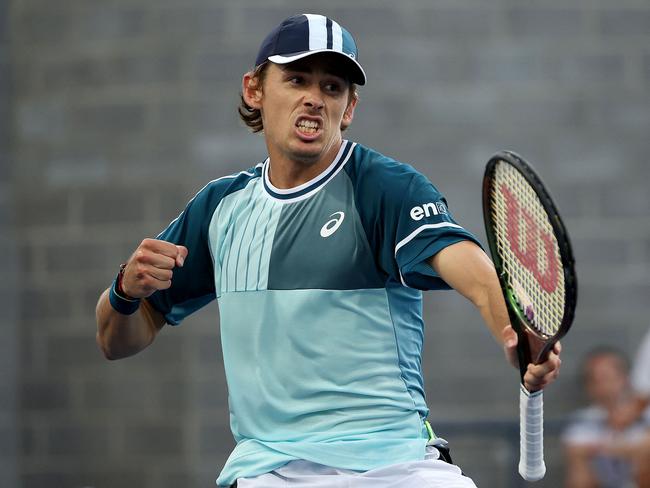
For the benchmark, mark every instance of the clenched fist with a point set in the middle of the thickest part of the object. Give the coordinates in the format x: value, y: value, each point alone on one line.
x: 150, y: 267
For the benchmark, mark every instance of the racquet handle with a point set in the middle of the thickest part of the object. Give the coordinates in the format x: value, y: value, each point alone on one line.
x: 531, y: 435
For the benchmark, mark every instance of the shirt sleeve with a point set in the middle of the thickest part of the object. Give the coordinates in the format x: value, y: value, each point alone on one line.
x: 585, y: 426
x: 406, y: 219
x: 193, y: 284
x: 423, y: 227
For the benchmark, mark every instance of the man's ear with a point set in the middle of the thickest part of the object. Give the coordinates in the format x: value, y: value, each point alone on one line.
x: 252, y: 90
x: 348, y: 115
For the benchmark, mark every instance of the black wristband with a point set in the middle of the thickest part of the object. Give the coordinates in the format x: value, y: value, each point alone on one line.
x: 123, y: 305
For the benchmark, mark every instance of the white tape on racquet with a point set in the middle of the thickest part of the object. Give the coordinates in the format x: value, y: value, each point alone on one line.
x: 531, y: 435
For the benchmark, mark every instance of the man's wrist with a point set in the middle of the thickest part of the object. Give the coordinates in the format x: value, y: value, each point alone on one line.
x: 120, y: 301
x: 119, y: 283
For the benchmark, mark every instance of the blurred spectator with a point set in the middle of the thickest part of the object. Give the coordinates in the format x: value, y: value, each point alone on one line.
x: 598, y: 455
x: 625, y: 415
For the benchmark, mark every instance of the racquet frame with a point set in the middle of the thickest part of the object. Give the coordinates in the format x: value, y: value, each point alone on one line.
x: 531, y: 462
x: 519, y: 321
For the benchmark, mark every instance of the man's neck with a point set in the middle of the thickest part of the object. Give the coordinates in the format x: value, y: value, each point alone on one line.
x: 287, y: 173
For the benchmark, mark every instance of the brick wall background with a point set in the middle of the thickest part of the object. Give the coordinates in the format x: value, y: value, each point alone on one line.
x: 120, y: 111
x: 9, y: 290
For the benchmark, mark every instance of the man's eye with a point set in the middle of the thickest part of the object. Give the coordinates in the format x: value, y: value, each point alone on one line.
x: 333, y: 87
x: 295, y: 80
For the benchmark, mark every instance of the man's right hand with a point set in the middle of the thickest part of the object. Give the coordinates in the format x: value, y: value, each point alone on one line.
x: 150, y: 267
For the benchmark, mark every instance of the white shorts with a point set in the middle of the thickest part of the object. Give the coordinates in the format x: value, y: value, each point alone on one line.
x: 428, y: 473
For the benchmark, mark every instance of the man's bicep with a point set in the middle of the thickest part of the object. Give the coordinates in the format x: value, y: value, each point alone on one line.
x: 465, y: 267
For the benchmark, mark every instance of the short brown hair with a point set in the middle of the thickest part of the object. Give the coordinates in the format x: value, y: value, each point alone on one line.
x: 252, y: 117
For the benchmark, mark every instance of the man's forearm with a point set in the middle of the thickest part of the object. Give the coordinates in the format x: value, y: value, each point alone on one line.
x: 120, y: 336
x: 466, y: 268
x: 492, y: 307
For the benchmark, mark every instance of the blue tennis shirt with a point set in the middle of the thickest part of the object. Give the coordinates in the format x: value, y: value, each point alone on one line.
x: 319, y: 292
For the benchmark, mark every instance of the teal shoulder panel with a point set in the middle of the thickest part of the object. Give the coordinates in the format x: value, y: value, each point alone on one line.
x: 405, y: 217
x: 193, y: 284
x: 320, y: 243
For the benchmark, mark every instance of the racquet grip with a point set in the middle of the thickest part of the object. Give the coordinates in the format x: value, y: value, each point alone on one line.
x: 531, y: 435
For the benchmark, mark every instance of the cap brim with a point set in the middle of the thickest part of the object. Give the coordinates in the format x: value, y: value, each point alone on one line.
x: 357, y: 75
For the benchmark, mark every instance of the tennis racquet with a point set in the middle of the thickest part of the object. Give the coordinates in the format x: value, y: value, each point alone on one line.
x: 533, y: 258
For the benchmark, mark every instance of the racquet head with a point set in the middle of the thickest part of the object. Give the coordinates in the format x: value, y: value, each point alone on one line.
x: 531, y: 250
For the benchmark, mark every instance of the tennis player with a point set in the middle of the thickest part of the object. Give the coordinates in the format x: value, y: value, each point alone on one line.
x: 318, y: 257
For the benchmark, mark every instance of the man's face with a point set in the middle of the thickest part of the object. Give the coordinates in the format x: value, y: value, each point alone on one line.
x: 303, y: 105
x: 606, y: 379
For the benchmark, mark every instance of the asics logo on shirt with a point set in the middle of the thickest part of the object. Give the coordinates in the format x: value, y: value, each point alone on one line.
x: 427, y: 210
x: 332, y: 225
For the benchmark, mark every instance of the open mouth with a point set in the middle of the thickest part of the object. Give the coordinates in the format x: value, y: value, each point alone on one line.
x: 308, y: 127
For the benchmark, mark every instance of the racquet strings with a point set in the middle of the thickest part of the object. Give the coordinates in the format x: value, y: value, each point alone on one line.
x: 528, y: 250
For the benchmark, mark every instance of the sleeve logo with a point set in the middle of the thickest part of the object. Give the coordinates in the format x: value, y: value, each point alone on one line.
x: 427, y: 210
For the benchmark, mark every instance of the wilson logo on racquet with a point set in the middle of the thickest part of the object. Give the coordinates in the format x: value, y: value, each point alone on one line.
x: 332, y: 225
x: 525, y: 238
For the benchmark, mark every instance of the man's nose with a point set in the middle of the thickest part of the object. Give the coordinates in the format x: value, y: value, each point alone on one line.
x: 313, y: 98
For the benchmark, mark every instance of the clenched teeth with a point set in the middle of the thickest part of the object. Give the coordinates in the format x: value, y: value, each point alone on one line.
x: 307, y: 126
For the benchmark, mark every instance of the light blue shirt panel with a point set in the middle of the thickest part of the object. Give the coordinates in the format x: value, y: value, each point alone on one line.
x: 406, y: 311
x: 321, y: 387
x: 255, y: 457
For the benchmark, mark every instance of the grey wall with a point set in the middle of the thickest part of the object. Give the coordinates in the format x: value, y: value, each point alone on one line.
x: 122, y: 110
x: 9, y: 278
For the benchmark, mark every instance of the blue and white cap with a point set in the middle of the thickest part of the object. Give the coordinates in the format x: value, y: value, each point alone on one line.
x: 303, y: 35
